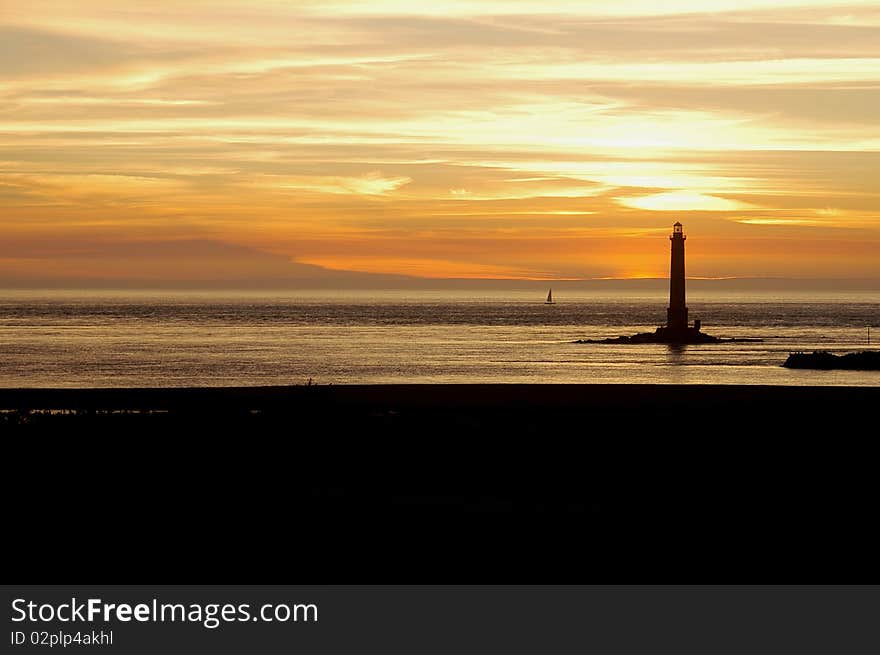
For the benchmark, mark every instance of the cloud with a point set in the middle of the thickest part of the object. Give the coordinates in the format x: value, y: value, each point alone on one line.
x: 369, y: 184
x: 477, y: 138
x: 602, y: 8
x: 683, y: 201
x: 779, y: 221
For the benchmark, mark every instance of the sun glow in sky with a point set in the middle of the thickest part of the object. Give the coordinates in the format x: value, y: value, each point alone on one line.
x: 267, y: 140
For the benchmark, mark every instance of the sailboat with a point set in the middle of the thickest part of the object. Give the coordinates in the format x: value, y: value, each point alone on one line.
x: 550, y: 300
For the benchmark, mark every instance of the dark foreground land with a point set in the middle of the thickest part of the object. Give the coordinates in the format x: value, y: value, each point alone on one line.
x: 434, y: 483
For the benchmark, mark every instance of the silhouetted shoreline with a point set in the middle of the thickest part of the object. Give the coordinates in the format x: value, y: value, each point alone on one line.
x: 366, y: 400
x: 447, y: 414
x: 448, y: 482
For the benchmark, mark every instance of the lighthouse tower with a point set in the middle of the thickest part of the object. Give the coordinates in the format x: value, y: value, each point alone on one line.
x: 677, y: 313
x: 676, y: 332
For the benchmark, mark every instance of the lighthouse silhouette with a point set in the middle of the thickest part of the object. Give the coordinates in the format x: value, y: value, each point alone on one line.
x: 677, y: 313
x: 677, y: 329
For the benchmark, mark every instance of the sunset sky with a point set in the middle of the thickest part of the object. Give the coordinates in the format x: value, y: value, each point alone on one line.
x: 553, y: 139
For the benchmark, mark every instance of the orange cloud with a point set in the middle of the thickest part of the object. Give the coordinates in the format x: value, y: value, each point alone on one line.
x: 465, y: 139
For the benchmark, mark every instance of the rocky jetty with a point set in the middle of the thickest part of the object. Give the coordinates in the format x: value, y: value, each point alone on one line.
x: 689, y: 335
x: 867, y: 360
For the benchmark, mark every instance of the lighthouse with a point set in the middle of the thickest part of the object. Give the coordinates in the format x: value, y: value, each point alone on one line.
x: 677, y: 329
x: 676, y: 332
x: 677, y: 313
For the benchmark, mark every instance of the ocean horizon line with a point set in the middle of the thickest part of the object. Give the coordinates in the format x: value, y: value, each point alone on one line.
x: 454, y: 284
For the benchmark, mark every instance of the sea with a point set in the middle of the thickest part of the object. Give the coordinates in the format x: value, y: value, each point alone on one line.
x: 210, y: 338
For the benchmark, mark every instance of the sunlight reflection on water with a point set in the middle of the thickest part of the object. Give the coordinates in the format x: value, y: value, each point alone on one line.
x: 51, y: 339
